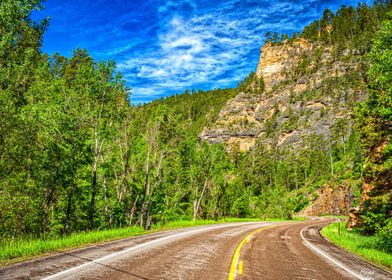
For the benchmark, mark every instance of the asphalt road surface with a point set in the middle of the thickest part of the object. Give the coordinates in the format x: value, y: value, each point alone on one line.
x: 291, y: 250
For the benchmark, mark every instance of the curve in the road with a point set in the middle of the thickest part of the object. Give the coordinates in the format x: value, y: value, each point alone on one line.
x: 324, y: 255
x: 143, y: 257
x: 298, y: 251
x: 292, y: 250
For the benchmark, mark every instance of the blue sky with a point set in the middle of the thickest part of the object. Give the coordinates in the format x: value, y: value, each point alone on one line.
x: 164, y: 47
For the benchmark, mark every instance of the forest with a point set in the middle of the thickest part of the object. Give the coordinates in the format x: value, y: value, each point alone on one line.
x: 76, y: 154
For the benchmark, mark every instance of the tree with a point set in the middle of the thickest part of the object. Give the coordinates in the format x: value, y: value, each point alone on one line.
x: 326, y: 25
x: 311, y: 32
x: 275, y: 37
x: 375, y: 119
x: 20, y: 41
x: 267, y: 37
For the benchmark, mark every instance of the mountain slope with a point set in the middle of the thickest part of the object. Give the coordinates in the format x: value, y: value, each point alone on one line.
x: 309, y: 89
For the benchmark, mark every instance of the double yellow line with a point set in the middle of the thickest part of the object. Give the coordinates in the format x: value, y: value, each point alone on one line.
x: 236, y: 264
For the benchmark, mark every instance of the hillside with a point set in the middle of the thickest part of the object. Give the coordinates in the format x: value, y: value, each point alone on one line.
x: 309, y: 89
x: 305, y: 97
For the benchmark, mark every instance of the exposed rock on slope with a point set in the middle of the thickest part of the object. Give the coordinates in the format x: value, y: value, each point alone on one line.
x: 332, y: 201
x: 274, y: 60
x: 306, y: 92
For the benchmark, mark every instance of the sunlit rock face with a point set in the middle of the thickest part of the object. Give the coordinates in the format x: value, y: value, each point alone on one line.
x: 306, y: 93
x: 276, y: 60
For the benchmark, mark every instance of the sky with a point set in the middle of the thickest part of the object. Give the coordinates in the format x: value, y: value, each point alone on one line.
x: 165, y: 47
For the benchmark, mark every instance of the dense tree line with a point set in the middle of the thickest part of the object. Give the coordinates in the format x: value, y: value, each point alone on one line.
x: 375, y: 123
x: 75, y: 155
x: 349, y: 27
x: 59, y: 118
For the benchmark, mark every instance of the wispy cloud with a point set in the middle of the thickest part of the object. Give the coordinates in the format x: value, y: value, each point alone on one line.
x: 164, y: 47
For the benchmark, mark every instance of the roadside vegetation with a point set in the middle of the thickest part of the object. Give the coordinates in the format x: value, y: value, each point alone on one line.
x: 12, y: 251
x: 368, y: 247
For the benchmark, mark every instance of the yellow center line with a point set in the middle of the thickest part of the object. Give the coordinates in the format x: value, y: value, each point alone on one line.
x: 235, y: 262
x: 240, y: 266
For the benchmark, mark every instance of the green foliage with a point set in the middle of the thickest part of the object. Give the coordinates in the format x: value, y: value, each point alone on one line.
x: 377, y: 209
x: 303, y: 65
x: 384, y: 236
x: 380, y: 99
x: 356, y: 243
x: 348, y: 27
x: 252, y: 84
x: 375, y: 120
x: 311, y: 32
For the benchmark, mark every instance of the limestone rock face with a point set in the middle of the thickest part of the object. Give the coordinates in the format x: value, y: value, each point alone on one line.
x: 274, y: 60
x: 303, y: 96
x: 236, y: 124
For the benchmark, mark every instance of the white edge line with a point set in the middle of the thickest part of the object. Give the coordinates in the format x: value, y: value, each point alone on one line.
x: 126, y: 251
x: 329, y: 258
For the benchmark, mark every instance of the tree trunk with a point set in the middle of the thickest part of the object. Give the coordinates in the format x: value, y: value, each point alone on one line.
x: 68, y: 213
x: 196, y: 209
x: 146, y: 187
x: 306, y: 177
x: 92, y: 202
x: 97, y: 153
x: 195, y: 200
x: 148, y: 215
x: 154, y: 188
x: 106, y: 198
x: 330, y: 157
x: 133, y: 210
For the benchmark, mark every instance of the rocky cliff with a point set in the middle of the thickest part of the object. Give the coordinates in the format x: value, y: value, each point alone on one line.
x: 309, y: 89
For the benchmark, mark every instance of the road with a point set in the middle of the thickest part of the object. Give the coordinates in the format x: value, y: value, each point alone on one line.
x: 290, y: 250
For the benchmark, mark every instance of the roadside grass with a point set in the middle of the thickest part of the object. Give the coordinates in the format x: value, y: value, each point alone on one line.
x: 354, y: 242
x: 13, y: 251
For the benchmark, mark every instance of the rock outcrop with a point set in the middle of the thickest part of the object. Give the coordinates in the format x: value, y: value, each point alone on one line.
x: 331, y: 200
x: 304, y: 95
x: 275, y: 60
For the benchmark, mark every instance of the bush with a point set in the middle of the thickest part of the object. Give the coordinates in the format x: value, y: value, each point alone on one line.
x: 384, y: 237
x: 376, y: 214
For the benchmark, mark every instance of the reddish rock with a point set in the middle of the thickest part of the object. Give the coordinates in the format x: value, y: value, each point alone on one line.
x: 331, y: 201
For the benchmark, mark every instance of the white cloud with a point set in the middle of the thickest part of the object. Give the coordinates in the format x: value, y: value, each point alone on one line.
x: 215, y: 47
x: 166, y: 46
x: 193, y: 51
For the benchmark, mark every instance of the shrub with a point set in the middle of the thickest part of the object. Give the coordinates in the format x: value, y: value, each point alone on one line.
x: 384, y: 237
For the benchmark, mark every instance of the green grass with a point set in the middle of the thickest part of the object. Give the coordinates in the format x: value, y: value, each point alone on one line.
x: 354, y: 242
x: 12, y: 251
